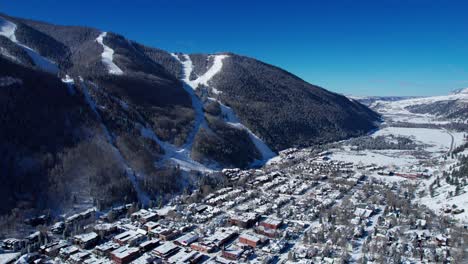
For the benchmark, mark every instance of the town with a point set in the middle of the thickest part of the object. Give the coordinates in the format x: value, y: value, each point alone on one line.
x: 303, y: 207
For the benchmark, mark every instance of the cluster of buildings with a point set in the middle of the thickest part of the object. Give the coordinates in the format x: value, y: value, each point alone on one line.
x: 302, y: 208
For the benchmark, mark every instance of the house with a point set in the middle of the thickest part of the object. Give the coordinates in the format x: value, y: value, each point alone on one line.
x: 53, y: 249
x: 202, y: 247
x: 250, y: 240
x: 149, y: 245
x: 271, y: 223
x: 79, y: 257
x: 244, y: 220
x: 124, y: 255
x: 232, y: 253
x: 187, y: 239
x: 185, y: 256
x: 87, y: 240
x: 130, y: 237
x: 220, y: 237
x: 144, y: 216
x: 168, y: 234
x: 166, y: 250
x: 13, y: 244
x: 105, y: 229
x: 148, y: 226
x: 105, y: 249
x: 66, y: 252
x: 363, y: 213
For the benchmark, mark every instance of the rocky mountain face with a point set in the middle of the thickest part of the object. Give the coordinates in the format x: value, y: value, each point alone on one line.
x: 90, y: 117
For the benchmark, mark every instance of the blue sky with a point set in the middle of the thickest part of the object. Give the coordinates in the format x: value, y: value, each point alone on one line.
x: 394, y: 47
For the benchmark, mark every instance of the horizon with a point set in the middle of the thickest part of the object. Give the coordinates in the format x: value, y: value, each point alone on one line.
x: 392, y: 48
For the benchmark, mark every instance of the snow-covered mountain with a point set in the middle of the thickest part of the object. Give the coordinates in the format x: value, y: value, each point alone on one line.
x: 452, y: 106
x: 91, y: 116
x: 369, y: 100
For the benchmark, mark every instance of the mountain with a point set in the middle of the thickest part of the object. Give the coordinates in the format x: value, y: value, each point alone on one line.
x: 369, y: 100
x: 453, y: 106
x: 92, y: 118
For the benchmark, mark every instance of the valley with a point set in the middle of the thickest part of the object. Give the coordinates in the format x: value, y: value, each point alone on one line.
x: 112, y: 151
x: 383, y: 197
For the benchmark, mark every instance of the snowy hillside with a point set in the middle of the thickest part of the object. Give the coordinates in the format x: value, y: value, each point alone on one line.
x: 427, y: 109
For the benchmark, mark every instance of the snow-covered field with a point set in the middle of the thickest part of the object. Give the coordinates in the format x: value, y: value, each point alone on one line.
x: 377, y: 157
x: 437, y: 140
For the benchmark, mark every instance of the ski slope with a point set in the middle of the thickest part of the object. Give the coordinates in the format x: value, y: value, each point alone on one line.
x: 8, y: 29
x: 229, y: 115
x: 108, y: 56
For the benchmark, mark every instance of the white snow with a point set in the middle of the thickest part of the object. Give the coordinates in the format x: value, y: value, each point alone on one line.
x: 8, y: 257
x: 231, y: 118
x: 108, y: 56
x: 438, y: 140
x: 70, y: 83
x: 8, y: 29
x: 197, y: 104
x: 208, y: 75
x: 442, y: 200
x: 380, y: 158
x: 396, y: 110
x: 41, y: 62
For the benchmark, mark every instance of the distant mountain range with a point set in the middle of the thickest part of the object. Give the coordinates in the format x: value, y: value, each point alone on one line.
x: 452, y: 106
x: 91, y: 117
x: 369, y: 100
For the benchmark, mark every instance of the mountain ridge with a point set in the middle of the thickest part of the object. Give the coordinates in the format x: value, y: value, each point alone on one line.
x: 157, y: 116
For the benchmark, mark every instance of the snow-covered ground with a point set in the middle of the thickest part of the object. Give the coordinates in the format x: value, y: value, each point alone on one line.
x: 377, y: 157
x: 7, y: 29
x: 108, y: 56
x: 442, y: 200
x: 437, y: 140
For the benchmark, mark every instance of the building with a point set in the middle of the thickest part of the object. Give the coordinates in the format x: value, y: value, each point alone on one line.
x: 144, y: 216
x: 149, y: 245
x: 220, y: 237
x: 130, y: 237
x: 232, y: 253
x: 124, y: 255
x: 166, y: 250
x: 250, y: 240
x: 185, y: 256
x: 271, y: 223
x: 187, y: 239
x: 202, y: 247
x: 105, y: 249
x: 86, y: 241
x: 244, y: 220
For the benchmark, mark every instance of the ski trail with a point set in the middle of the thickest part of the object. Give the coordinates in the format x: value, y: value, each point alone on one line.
x: 231, y: 118
x: 228, y: 113
x: 142, y: 196
x: 8, y: 29
x: 197, y: 104
x: 107, y: 56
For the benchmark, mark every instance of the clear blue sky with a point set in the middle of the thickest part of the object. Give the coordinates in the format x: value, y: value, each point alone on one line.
x: 394, y: 47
